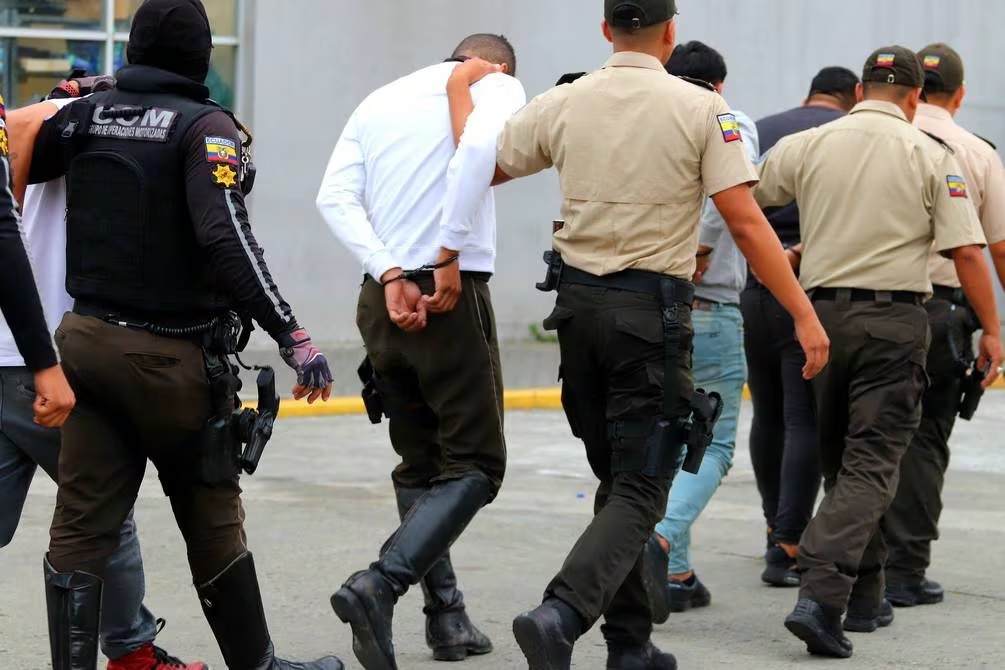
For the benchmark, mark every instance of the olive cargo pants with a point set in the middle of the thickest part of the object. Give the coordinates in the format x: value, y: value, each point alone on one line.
x: 139, y: 396
x: 868, y: 402
x: 441, y: 386
x: 613, y: 360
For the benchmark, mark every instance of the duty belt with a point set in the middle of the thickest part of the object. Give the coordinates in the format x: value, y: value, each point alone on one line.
x: 668, y: 289
x: 865, y: 295
x: 949, y: 294
x: 166, y: 326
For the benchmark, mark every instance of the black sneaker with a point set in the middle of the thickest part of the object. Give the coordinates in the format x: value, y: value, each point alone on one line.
x: 819, y: 628
x: 779, y: 569
x: 924, y: 592
x: 688, y: 594
x: 859, y: 621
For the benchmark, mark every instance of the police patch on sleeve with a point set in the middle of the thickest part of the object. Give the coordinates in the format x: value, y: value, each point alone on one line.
x: 224, y: 176
x: 730, y: 128
x: 957, y: 186
x: 221, y: 150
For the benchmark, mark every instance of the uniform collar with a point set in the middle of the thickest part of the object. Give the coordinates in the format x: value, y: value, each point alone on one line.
x: 146, y: 79
x: 635, y: 59
x: 934, y: 112
x: 880, y: 106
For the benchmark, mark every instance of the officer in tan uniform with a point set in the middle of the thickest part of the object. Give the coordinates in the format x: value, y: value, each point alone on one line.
x: 636, y: 150
x: 912, y: 522
x: 875, y: 194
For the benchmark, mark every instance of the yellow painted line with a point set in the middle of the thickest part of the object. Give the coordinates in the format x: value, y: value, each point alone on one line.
x: 516, y: 399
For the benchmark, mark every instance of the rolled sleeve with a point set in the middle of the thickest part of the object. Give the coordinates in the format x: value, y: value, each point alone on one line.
x: 954, y: 217
x: 525, y: 147
x: 724, y: 162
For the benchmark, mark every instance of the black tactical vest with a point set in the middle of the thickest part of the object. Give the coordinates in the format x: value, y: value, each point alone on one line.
x: 131, y: 245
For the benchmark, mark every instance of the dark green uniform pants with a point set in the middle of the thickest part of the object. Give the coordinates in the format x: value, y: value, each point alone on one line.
x: 139, y: 396
x: 442, y: 386
x: 869, y: 405
x: 612, y: 348
x: 912, y: 522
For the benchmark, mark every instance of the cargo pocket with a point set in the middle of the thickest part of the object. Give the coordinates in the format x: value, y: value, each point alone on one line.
x: 560, y: 316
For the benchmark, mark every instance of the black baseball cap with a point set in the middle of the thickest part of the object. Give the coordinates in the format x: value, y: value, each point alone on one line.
x: 638, y: 13
x: 943, y: 68
x: 834, y: 80
x: 894, y: 65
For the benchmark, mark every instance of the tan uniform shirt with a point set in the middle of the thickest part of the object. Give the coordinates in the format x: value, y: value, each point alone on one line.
x: 875, y: 194
x: 985, y: 176
x: 636, y: 151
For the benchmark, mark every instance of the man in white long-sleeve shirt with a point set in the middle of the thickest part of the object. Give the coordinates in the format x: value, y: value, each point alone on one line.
x: 403, y: 195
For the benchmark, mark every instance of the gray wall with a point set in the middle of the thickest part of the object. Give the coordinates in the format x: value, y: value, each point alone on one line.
x: 313, y: 61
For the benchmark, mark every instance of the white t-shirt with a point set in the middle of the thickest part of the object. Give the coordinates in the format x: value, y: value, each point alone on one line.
x: 43, y: 224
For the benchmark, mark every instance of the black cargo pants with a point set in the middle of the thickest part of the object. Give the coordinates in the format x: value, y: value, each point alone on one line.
x: 613, y: 358
x: 912, y: 522
x: 868, y: 402
x: 139, y: 396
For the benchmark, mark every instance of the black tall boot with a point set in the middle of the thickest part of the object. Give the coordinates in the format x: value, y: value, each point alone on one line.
x: 449, y: 631
x: 366, y: 601
x: 73, y: 601
x: 232, y: 604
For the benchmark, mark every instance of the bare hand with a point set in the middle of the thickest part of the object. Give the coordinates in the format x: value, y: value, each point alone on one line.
x: 448, y: 284
x: 405, y: 304
x: 54, y: 399
x: 815, y: 343
x: 990, y: 351
x: 702, y: 266
x: 472, y: 71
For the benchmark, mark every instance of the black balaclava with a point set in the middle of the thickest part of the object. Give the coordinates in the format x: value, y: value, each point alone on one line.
x: 172, y: 35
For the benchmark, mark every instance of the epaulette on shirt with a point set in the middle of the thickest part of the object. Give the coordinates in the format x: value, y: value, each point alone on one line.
x: 989, y: 142
x: 569, y: 78
x: 940, y: 141
x: 697, y: 82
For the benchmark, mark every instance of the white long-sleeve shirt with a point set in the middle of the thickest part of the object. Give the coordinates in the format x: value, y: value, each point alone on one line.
x: 396, y: 190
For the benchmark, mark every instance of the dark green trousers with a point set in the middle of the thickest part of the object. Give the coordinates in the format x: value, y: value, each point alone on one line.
x: 442, y: 386
x: 868, y: 402
x: 139, y: 397
x: 912, y: 522
x: 612, y: 349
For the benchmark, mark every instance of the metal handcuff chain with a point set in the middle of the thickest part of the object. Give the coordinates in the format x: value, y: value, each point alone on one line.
x: 408, y: 275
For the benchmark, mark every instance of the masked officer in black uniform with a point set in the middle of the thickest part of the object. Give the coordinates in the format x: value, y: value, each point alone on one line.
x: 159, y: 246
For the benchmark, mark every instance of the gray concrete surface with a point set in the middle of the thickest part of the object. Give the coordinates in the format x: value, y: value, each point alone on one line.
x: 321, y: 505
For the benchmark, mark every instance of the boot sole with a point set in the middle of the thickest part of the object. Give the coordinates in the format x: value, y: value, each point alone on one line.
x: 818, y: 641
x: 533, y: 643
x: 861, y: 625
x: 914, y: 602
x: 365, y: 646
x: 459, y: 653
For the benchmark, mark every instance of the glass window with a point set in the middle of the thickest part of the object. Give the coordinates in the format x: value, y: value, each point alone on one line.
x: 29, y: 68
x: 53, y: 14
x: 222, y: 15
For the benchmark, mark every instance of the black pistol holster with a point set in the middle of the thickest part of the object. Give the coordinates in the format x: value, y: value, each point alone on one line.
x: 555, y: 264
x: 706, y: 408
x: 372, y: 398
x: 235, y: 438
x: 960, y: 330
x: 399, y: 398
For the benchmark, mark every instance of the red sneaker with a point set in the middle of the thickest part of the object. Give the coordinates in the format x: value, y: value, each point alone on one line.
x: 149, y: 657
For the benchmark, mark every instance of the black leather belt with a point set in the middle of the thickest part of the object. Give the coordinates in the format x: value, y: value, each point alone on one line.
x: 635, y: 281
x: 192, y: 325
x: 465, y: 274
x: 866, y: 295
x: 949, y: 294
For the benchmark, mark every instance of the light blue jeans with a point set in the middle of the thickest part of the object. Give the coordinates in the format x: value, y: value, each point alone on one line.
x: 720, y: 366
x: 126, y: 624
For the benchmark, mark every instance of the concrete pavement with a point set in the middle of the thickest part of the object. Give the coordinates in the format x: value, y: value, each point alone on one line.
x: 321, y: 505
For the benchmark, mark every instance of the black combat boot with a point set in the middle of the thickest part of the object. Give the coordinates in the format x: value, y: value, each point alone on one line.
x: 547, y: 633
x: 646, y: 657
x: 73, y: 601
x: 232, y: 604
x: 366, y: 601
x: 449, y: 631
x: 863, y: 618
x: 910, y: 594
x: 820, y: 628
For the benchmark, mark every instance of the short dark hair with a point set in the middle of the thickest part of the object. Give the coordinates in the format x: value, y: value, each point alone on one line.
x: 834, y: 80
x: 698, y: 61
x: 898, y: 92
x: 493, y: 48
